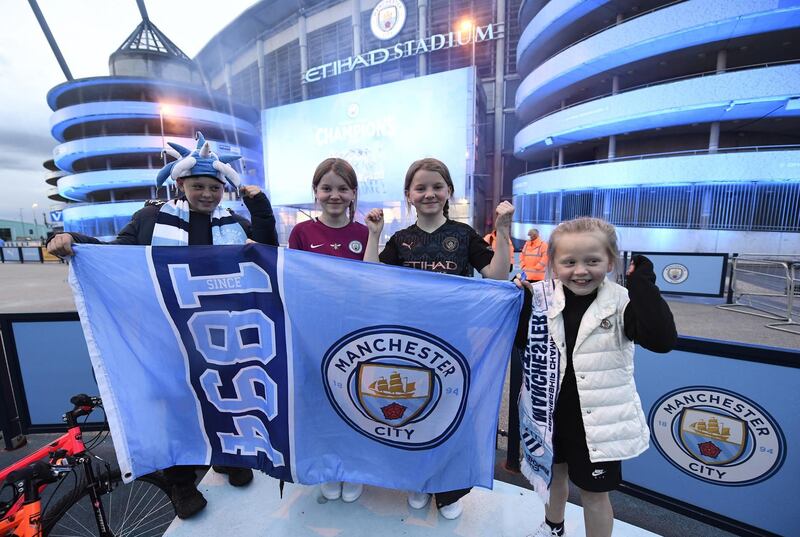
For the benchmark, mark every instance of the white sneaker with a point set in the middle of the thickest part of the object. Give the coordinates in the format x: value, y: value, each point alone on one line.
x: 418, y: 500
x: 351, y: 491
x: 453, y: 510
x: 545, y: 531
x: 332, y: 490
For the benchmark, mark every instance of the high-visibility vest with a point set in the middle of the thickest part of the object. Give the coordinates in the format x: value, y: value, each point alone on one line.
x: 491, y: 238
x: 533, y: 259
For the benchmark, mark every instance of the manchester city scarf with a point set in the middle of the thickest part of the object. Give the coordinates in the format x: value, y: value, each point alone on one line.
x: 539, y: 393
x: 172, y: 226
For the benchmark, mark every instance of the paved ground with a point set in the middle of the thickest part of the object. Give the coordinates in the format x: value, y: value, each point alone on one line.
x: 34, y: 288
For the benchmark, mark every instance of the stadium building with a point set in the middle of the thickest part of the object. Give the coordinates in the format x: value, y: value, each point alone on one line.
x: 677, y: 121
x: 380, y: 84
x: 111, y: 130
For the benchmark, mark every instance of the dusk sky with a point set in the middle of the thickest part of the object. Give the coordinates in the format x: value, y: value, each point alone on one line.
x: 87, y: 31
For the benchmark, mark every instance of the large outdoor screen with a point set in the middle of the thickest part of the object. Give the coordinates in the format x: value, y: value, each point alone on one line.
x: 379, y: 130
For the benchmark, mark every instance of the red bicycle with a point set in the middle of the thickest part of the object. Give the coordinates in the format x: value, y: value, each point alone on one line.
x: 96, y: 504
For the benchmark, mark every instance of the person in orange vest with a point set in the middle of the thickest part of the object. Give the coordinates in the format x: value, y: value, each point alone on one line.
x: 533, y: 259
x: 491, y: 238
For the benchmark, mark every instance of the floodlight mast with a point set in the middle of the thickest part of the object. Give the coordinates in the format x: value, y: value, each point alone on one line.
x: 50, y: 39
x: 142, y: 9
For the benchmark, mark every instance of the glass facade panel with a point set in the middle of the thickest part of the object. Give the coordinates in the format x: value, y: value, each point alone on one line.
x: 328, y: 44
x: 283, y: 81
x: 245, y: 86
x: 448, y: 15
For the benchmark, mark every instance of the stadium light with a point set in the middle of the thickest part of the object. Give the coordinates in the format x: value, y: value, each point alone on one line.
x: 548, y: 140
x: 468, y: 25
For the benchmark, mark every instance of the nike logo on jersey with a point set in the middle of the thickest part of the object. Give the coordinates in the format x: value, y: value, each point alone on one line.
x: 315, y: 246
x: 598, y: 473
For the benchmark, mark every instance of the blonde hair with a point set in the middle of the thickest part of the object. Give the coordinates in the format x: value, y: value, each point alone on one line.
x: 585, y: 224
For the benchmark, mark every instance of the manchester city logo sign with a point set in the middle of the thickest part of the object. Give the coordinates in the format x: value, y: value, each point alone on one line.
x: 397, y: 385
x: 717, y: 436
x: 675, y: 273
x: 388, y: 18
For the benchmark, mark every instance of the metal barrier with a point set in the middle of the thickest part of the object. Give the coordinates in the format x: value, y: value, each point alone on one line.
x: 766, y: 286
x: 27, y: 254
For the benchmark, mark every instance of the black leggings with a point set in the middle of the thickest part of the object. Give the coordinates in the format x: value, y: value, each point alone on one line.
x: 182, y: 476
x: 451, y: 496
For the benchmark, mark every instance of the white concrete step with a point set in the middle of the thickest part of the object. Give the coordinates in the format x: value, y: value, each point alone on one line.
x: 258, y: 510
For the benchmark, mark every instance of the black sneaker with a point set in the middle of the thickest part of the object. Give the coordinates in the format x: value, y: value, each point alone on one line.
x: 188, y: 501
x: 238, y: 477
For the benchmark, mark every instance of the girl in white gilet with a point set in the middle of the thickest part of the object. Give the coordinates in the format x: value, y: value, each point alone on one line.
x: 593, y: 323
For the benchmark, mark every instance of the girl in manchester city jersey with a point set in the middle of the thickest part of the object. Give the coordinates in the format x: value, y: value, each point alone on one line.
x: 335, y: 233
x: 437, y: 244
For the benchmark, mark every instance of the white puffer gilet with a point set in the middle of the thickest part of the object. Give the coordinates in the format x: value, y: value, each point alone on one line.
x: 612, y: 414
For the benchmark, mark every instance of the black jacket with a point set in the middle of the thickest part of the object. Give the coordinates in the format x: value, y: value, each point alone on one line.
x: 140, y: 229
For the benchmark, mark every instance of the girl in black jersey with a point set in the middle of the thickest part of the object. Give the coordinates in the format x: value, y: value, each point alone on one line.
x: 437, y: 244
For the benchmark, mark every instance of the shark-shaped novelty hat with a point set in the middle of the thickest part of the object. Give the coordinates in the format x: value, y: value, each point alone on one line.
x: 200, y: 162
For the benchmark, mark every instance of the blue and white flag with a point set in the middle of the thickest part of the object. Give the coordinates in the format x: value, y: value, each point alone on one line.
x: 308, y: 367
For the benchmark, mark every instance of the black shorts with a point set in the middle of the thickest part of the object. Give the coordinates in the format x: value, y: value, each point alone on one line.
x: 588, y: 475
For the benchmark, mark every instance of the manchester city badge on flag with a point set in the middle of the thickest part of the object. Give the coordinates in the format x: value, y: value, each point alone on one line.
x: 231, y: 355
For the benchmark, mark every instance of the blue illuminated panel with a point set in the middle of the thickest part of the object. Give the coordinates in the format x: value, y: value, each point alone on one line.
x: 379, y: 130
x: 737, y: 385
x: 689, y: 274
x: 61, y: 355
x: 11, y: 254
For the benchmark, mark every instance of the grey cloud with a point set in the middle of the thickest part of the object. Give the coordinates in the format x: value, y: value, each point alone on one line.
x: 25, y: 151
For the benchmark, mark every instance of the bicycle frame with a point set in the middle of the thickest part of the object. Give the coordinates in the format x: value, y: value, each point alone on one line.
x: 28, y: 519
x: 27, y: 508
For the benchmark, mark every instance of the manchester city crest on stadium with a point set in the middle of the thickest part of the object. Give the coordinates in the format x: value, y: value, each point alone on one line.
x: 397, y: 385
x: 352, y: 110
x: 717, y: 436
x: 388, y: 18
x: 675, y: 273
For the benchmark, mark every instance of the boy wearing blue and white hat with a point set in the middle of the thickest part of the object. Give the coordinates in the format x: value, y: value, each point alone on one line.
x: 201, y: 176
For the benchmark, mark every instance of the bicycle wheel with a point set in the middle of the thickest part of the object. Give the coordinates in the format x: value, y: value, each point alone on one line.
x: 142, y: 508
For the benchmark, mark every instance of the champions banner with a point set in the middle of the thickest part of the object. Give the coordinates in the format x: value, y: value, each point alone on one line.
x: 308, y: 367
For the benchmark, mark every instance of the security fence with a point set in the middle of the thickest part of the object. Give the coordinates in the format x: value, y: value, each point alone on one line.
x: 763, y: 206
x: 26, y: 254
x: 766, y: 286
